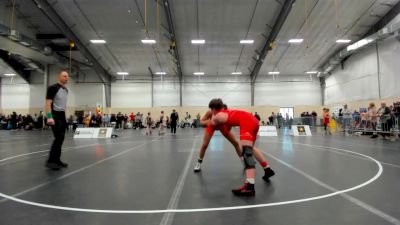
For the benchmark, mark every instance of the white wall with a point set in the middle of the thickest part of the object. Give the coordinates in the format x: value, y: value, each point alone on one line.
x: 20, y: 96
x: 283, y: 91
x: 37, y: 92
x: 389, y: 54
x: 85, y: 95
x: 359, y: 78
x: 200, y: 94
x: 14, y: 94
x: 288, y: 94
x: 130, y: 95
x: 138, y: 95
x: 37, y: 95
x: 166, y: 94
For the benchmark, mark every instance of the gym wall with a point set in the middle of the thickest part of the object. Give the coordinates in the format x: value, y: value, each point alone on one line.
x: 362, y: 78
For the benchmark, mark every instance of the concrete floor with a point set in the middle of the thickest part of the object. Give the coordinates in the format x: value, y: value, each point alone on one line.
x: 135, y: 172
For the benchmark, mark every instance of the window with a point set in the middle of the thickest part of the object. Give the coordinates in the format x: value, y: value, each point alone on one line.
x: 287, y: 112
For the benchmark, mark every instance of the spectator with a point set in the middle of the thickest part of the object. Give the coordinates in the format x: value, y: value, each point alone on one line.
x: 280, y: 120
x: 70, y: 123
x: 187, y: 117
x: 372, y: 118
x: 137, y: 121
x: 113, y: 120
x: 93, y: 121
x: 257, y: 116
x: 13, y: 121
x: 149, y: 123
x: 162, y: 123
x: 326, y: 121
x: 132, y: 119
x: 99, y: 120
x: 271, y: 119
x: 314, y: 118
x: 186, y: 122
x: 125, y: 124
x: 106, y: 120
x: 346, y: 114
x: 87, y: 121
x: 384, y: 114
x: 174, y: 118
x: 40, y: 120
x: 120, y: 118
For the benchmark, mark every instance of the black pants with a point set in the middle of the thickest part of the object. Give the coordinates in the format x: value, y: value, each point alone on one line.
x: 60, y: 124
x: 386, y: 129
x: 119, y: 124
x: 173, y: 127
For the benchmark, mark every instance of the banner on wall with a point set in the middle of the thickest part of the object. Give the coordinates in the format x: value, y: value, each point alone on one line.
x: 267, y: 131
x: 301, y: 130
x: 105, y: 132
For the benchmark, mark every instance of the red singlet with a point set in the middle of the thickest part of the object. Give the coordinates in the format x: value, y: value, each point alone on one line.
x: 246, y: 121
x: 222, y: 128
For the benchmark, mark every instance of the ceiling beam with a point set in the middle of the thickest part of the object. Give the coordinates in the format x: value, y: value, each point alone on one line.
x: 19, y: 49
x: 61, y: 48
x: 171, y: 30
x: 337, y: 56
x: 49, y: 36
x: 393, y: 12
x: 15, y: 65
x: 53, y: 16
x: 286, y: 8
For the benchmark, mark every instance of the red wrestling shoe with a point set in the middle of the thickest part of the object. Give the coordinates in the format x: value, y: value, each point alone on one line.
x: 245, y: 190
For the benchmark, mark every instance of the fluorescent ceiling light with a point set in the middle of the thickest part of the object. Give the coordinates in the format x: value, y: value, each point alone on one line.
x: 161, y: 73
x: 122, y: 73
x: 295, y: 40
x: 343, y: 41
x: 246, y: 41
x: 198, y: 41
x: 98, y: 41
x: 33, y: 65
x: 148, y: 41
x: 25, y: 43
x: 9, y: 74
x: 359, y: 44
x: 312, y: 72
x: 198, y: 73
x: 237, y: 73
x: 273, y: 73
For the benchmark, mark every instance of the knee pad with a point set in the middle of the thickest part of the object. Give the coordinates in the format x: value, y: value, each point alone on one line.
x: 249, y: 161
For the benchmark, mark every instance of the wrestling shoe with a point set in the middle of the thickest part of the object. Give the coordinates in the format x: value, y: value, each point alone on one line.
x: 197, y: 168
x: 245, y: 190
x: 267, y: 174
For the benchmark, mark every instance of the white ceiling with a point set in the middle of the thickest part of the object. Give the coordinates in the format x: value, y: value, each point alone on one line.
x: 354, y: 18
x: 221, y: 23
x: 4, y: 68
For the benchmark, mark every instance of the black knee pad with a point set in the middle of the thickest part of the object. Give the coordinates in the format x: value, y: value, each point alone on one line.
x: 249, y: 161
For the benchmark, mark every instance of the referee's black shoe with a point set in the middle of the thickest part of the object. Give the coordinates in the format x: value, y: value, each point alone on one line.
x: 53, y: 166
x: 62, y: 164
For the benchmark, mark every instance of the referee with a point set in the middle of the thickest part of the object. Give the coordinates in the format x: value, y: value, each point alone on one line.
x: 56, y: 103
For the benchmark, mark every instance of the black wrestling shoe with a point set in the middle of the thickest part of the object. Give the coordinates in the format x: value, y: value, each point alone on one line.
x: 53, y: 166
x: 267, y: 174
x: 62, y: 164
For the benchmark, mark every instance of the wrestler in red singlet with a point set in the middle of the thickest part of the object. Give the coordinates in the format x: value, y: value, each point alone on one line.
x: 248, y: 125
x: 246, y: 121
